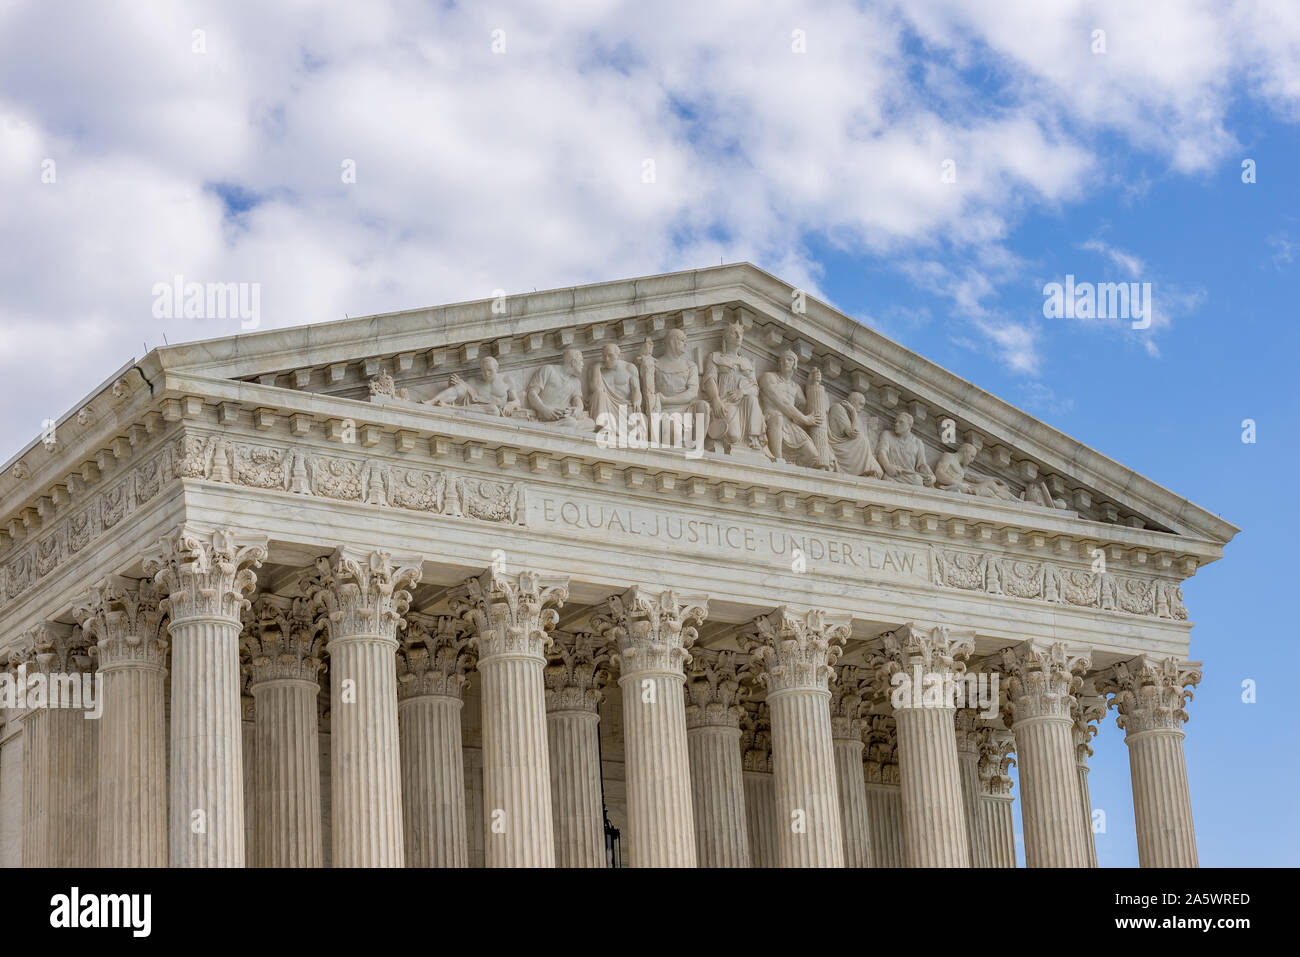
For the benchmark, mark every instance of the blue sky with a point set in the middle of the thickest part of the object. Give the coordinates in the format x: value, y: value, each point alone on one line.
x: 501, y: 146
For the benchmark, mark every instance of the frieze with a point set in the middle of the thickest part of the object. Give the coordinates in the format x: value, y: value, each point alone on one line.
x: 1058, y: 584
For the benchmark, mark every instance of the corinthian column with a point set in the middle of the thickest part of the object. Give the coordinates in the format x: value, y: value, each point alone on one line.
x: 1090, y: 708
x: 995, y: 763
x: 797, y: 651
x: 925, y: 665
x: 849, y: 705
x: 968, y: 758
x: 575, y: 674
x: 884, y: 794
x: 364, y: 596
x: 652, y: 632
x: 713, y: 744
x: 430, y: 683
x: 283, y: 644
x: 511, y: 617
x: 125, y: 619
x: 1151, y: 695
x: 760, y: 793
x: 59, y: 747
x: 1040, y: 704
x: 205, y: 575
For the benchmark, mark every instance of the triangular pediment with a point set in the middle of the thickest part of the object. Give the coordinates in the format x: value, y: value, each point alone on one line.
x: 869, y: 382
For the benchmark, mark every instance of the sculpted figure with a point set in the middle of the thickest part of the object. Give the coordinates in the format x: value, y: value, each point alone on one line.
x: 677, y: 392
x: 818, y: 407
x: 615, y: 385
x: 645, y: 362
x: 950, y: 474
x: 731, y: 389
x: 786, y: 422
x: 901, y: 454
x: 555, y: 393
x: 849, y: 439
x: 490, y: 392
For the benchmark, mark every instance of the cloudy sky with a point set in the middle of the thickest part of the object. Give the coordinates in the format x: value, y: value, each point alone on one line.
x: 927, y: 167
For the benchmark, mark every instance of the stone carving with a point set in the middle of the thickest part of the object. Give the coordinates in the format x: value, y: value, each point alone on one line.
x: 1042, y: 680
x: 730, y: 386
x: 651, y: 630
x: 205, y: 573
x: 383, y: 385
x: 490, y: 501
x: 555, y: 393
x: 950, y: 474
x: 797, y: 650
x: 676, y: 393
x: 1151, y: 694
x: 781, y: 398
x: 901, y: 454
x: 576, y: 673
x: 755, y: 737
x: 282, y: 639
x: 996, y: 746
x: 713, y: 690
x: 434, y: 658
x: 851, y: 702
x: 1089, y: 708
x: 1059, y: 584
x: 510, y: 614
x: 849, y: 438
x: 490, y: 392
x: 125, y: 620
x: 880, y: 755
x: 362, y: 593
x: 615, y: 387
x: 928, y: 654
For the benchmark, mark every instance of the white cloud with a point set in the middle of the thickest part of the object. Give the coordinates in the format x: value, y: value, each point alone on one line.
x: 478, y: 171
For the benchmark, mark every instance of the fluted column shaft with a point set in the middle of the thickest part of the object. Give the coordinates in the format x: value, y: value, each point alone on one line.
x: 38, y: 762
x: 1090, y: 838
x: 999, y: 825
x: 718, y: 796
x: 885, y: 810
x: 1050, y: 808
x: 854, y: 815
x: 133, y: 767
x: 365, y: 769
x: 652, y: 632
x: 516, y: 763
x: 760, y: 818
x: 968, y: 758
x: 934, y: 814
x: 205, y: 575
x: 573, y: 738
x: 661, y: 817
x: 433, y: 781
x: 287, y: 775
x: 1162, y: 800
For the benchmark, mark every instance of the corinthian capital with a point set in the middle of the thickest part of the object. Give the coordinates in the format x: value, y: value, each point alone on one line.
x: 850, y: 702
x: 510, y: 614
x: 434, y: 657
x: 880, y: 757
x: 282, y: 639
x: 1151, y: 694
x: 651, y: 630
x: 756, y: 737
x: 1089, y: 708
x: 797, y: 650
x: 53, y: 648
x: 576, y: 673
x: 363, y: 593
x: 1043, y: 679
x: 713, y: 690
x: 124, y: 618
x: 933, y: 649
x: 205, y: 573
x: 995, y: 762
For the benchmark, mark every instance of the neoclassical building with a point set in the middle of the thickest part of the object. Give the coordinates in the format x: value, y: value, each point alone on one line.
x: 688, y: 570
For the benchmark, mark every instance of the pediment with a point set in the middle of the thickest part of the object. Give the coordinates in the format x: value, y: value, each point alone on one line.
x: 674, y: 330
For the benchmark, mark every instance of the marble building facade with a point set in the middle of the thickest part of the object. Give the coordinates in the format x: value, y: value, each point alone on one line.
x: 403, y: 591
